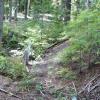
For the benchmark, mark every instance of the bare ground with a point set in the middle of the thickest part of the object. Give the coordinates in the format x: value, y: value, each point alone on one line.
x: 41, y: 69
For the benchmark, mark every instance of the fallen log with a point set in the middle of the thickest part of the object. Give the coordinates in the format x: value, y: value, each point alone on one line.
x: 55, y: 44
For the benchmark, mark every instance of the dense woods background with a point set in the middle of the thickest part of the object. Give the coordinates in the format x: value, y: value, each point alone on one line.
x: 65, y: 48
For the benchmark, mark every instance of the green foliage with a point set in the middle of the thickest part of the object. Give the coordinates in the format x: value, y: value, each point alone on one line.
x: 24, y: 32
x: 67, y: 55
x: 53, y: 31
x: 12, y: 67
x: 58, y: 94
x: 66, y: 73
x: 39, y: 87
x: 41, y: 35
x: 27, y: 82
x: 84, y: 47
x: 17, y: 69
x: 2, y: 63
x: 2, y: 52
x: 85, y: 38
x: 42, y: 6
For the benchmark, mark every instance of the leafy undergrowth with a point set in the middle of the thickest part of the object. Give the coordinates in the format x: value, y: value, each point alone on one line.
x: 83, y: 51
x: 41, y: 35
x: 12, y: 67
x: 30, y: 87
x: 50, y: 89
x: 84, y: 47
x: 66, y: 73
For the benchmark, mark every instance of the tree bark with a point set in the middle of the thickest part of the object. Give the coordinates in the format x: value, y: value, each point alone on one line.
x: 28, y: 7
x: 1, y: 19
x: 16, y: 9
x: 26, y: 2
x: 88, y: 4
x: 10, y: 10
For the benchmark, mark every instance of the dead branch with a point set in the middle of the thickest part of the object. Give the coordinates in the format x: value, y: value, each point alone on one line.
x: 89, y: 86
x: 92, y: 88
x: 57, y: 43
x: 74, y: 87
x: 89, y: 83
x: 10, y: 93
x: 44, y: 95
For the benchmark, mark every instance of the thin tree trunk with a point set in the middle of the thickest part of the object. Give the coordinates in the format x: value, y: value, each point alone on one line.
x: 10, y: 10
x: 1, y: 19
x: 28, y: 7
x: 16, y: 9
x: 26, y: 2
x: 88, y: 4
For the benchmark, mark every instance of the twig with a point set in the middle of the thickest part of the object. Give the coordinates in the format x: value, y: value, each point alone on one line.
x: 89, y: 87
x: 89, y: 83
x: 44, y: 95
x: 92, y: 80
x: 10, y: 93
x: 98, y: 84
x: 74, y: 87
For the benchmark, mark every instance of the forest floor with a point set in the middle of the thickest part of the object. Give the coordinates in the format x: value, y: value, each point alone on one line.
x: 44, y: 69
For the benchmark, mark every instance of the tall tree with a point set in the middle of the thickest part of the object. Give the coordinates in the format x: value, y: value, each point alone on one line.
x: 87, y: 3
x: 10, y: 10
x: 16, y: 9
x: 1, y: 18
x: 28, y: 7
x: 25, y: 8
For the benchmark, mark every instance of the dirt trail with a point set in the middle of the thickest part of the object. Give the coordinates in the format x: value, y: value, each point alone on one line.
x: 6, y: 85
x: 50, y: 60
x: 40, y: 70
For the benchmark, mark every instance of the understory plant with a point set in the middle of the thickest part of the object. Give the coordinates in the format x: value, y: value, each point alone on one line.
x: 12, y: 67
x: 84, y: 44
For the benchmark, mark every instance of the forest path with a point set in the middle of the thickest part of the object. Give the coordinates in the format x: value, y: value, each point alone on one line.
x: 50, y: 59
x: 40, y: 69
x: 45, y: 69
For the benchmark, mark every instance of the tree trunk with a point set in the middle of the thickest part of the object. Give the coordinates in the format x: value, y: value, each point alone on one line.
x: 26, y: 2
x: 28, y: 7
x: 10, y: 10
x: 88, y: 4
x: 1, y: 19
x: 16, y: 9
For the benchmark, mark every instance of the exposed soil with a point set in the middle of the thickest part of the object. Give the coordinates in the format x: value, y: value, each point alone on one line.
x: 41, y: 69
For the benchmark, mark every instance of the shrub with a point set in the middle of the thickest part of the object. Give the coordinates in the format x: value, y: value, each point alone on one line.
x: 66, y: 73
x: 85, y: 39
x: 12, y: 67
